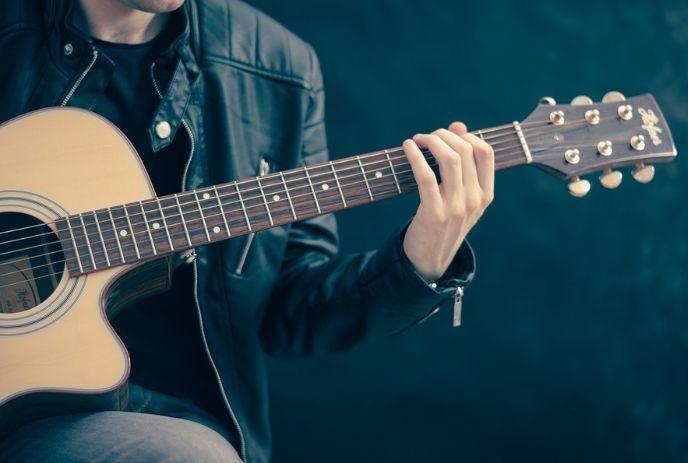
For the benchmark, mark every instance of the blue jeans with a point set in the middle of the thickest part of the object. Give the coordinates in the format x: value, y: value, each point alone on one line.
x: 155, y: 428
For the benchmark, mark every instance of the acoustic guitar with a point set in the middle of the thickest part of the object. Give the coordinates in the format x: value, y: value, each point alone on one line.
x: 82, y: 235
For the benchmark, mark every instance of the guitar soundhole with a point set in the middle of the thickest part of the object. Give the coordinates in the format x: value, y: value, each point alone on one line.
x: 31, y: 262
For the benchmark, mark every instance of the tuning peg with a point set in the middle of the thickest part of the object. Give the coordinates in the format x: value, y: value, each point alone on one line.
x: 578, y: 187
x: 581, y: 100
x: 548, y: 100
x: 643, y: 173
x: 605, y: 148
x: 638, y: 142
x: 613, y: 96
x: 611, y: 178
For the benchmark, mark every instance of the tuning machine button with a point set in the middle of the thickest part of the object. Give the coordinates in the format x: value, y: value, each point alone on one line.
x: 548, y: 100
x: 625, y: 112
x: 578, y: 187
x: 638, y: 142
x: 557, y: 117
x: 642, y: 173
x: 592, y: 116
x: 605, y: 148
x: 572, y: 156
x: 613, y: 96
x: 581, y: 100
x: 611, y: 178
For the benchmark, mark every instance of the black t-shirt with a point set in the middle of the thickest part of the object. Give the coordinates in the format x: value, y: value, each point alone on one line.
x: 162, y: 333
x: 130, y: 100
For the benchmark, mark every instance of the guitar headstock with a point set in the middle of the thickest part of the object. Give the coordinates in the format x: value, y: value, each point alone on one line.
x: 570, y: 140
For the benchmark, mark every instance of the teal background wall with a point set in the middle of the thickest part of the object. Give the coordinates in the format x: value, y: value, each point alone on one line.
x: 575, y: 338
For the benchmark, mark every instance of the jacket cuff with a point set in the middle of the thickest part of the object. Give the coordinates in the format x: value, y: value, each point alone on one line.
x: 423, y: 297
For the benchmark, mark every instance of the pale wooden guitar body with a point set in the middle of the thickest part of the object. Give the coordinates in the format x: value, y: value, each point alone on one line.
x: 63, y: 353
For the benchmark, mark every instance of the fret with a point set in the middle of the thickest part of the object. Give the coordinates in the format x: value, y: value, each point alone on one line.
x: 114, y: 230
x: 315, y: 197
x: 131, y: 231
x: 213, y: 219
x: 265, y: 201
x: 150, y: 235
x: 365, y: 178
x: 124, y: 232
x: 181, y: 215
x: 200, y: 209
x: 76, y: 248
x: 88, y: 242
x: 243, y: 207
x: 286, y: 190
x: 480, y: 134
x: 394, y: 174
x: 96, y: 237
x: 164, y: 222
x: 157, y: 226
x: 339, y: 186
x: 102, y: 240
x: 108, y: 237
x: 222, y: 211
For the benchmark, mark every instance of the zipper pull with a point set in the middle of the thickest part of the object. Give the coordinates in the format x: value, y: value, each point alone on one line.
x: 458, y: 300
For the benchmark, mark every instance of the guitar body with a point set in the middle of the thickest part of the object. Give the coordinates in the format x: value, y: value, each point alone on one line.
x: 58, y: 352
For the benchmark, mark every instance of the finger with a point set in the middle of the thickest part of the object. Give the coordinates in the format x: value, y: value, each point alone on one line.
x: 465, y: 149
x: 484, y: 162
x: 458, y: 128
x: 448, y: 160
x: 425, y: 178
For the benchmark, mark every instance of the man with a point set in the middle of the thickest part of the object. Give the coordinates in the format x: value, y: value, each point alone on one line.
x: 209, y: 91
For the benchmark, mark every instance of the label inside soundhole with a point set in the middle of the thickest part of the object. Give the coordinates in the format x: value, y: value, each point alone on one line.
x: 31, y: 262
x: 18, y: 291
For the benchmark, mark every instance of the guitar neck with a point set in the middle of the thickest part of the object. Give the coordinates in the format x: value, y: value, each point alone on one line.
x: 157, y: 227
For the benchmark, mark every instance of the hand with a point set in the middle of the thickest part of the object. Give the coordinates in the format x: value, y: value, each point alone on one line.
x: 447, y: 210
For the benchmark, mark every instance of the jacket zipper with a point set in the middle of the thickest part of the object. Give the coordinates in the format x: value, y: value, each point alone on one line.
x: 263, y: 169
x: 70, y: 94
x: 195, y: 282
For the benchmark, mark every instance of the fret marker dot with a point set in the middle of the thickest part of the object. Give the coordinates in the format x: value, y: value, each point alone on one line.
x: 378, y: 174
x: 123, y: 233
x: 206, y: 195
x: 276, y: 198
x: 325, y: 186
x: 156, y: 225
x: 216, y: 229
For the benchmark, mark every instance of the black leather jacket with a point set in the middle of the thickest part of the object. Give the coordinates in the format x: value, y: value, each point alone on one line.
x: 243, y: 89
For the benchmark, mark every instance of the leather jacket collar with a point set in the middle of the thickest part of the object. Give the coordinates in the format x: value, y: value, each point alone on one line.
x: 175, y: 71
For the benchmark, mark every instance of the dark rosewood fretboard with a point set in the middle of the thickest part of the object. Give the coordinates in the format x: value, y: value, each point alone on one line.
x: 156, y: 227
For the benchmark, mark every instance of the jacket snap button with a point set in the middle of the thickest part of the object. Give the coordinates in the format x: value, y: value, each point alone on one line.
x: 163, y: 129
x: 68, y: 49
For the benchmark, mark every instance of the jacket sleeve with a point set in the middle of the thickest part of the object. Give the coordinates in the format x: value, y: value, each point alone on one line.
x: 326, y: 302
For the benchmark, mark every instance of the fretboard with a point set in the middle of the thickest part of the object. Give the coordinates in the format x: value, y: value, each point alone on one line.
x: 151, y: 228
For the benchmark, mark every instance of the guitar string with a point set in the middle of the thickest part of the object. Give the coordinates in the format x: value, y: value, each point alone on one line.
x: 240, y: 222
x: 391, y: 190
x: 508, y: 130
x: 232, y: 221
x: 392, y: 152
x: 244, y: 180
